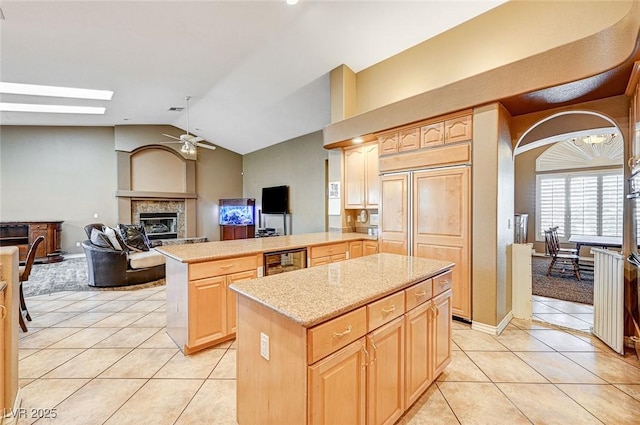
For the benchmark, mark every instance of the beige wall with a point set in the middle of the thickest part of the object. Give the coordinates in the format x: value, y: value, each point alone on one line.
x: 492, y: 214
x: 506, y: 34
x: 58, y: 173
x: 218, y: 176
x: 300, y: 164
x: 157, y: 170
x: 69, y: 173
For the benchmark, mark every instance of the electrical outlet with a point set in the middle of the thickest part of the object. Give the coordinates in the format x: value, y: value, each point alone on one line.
x: 95, y: 215
x: 264, y: 346
x: 77, y: 244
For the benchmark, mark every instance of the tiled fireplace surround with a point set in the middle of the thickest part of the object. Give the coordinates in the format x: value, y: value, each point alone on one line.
x: 133, y: 201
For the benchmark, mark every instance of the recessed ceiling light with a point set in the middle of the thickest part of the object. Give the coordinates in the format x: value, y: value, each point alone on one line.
x: 54, y: 91
x: 56, y: 109
x: 292, y: 2
x: 357, y: 140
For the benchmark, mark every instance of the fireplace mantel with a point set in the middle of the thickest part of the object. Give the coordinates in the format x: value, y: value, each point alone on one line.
x: 136, y: 194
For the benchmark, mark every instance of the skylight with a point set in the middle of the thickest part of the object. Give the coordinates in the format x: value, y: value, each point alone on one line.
x: 54, y: 91
x: 57, y: 109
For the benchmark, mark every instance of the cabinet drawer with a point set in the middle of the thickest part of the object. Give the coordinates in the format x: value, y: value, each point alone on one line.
x: 222, y: 267
x: 385, y: 310
x: 441, y: 283
x: 418, y: 293
x: 328, y: 337
x: 328, y: 250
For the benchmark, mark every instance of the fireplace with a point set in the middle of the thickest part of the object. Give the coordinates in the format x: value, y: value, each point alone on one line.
x: 161, y: 225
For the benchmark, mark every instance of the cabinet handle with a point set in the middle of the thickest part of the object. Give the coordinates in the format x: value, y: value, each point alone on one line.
x: 3, y: 312
x: 389, y: 310
x: 366, y: 356
x: 444, y: 282
x: 375, y: 352
x: 228, y: 266
x: 343, y: 333
x: 421, y: 293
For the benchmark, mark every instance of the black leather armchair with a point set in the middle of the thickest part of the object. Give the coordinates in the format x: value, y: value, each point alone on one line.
x: 109, y: 267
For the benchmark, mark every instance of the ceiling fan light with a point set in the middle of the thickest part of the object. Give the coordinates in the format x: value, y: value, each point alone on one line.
x: 185, y: 149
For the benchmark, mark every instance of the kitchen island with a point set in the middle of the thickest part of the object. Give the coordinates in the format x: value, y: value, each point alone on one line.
x: 352, y: 342
x: 201, y: 310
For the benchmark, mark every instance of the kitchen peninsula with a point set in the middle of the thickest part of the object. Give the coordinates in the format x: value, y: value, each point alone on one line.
x: 347, y: 343
x: 201, y: 310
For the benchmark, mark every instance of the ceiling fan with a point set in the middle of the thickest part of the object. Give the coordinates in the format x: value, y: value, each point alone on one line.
x: 189, y: 141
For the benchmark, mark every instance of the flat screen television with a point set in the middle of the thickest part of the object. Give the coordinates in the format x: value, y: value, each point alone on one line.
x: 275, y: 200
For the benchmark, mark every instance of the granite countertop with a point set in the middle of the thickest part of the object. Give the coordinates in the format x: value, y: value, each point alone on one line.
x: 313, y: 295
x: 198, y: 252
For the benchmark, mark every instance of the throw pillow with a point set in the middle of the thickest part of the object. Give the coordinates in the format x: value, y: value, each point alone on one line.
x: 99, y: 239
x: 113, y: 238
x: 134, y: 236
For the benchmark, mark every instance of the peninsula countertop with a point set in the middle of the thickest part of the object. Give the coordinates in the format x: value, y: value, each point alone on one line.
x: 313, y: 295
x: 207, y: 251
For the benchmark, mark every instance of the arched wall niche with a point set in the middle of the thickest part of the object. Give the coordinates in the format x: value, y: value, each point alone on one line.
x: 156, y: 168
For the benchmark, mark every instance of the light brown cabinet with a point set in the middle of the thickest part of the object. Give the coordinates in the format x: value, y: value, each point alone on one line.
x: 388, y: 142
x: 355, y: 249
x: 394, y: 223
x: 366, y: 366
x: 453, y: 130
x: 3, y: 315
x: 210, y: 304
x: 325, y: 254
x: 370, y: 247
x: 442, y: 226
x: 361, y: 177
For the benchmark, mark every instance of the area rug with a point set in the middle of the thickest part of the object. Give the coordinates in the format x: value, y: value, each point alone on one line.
x: 562, y: 286
x: 68, y: 275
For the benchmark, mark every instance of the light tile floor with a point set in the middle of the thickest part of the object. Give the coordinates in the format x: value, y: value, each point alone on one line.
x: 105, y: 358
x: 562, y: 313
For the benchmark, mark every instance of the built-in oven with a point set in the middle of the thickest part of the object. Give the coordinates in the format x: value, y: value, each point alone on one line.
x: 285, y: 261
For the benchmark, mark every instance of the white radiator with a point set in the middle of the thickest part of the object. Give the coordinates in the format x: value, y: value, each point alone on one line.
x: 608, y: 298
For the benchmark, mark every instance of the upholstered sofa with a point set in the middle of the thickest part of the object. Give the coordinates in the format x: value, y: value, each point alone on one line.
x: 111, y: 267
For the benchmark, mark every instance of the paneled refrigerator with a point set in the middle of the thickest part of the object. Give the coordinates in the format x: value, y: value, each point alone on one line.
x: 427, y: 213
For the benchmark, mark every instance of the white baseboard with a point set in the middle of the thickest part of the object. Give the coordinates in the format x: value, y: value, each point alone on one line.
x: 493, y: 330
x: 79, y: 255
x: 11, y: 418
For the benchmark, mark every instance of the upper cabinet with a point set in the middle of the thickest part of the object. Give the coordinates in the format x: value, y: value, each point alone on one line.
x: 361, y: 187
x: 434, y: 132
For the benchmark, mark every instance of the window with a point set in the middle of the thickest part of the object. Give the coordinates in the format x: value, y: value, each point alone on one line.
x: 581, y: 203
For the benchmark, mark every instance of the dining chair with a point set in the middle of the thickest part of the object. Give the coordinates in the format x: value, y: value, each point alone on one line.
x: 24, y: 272
x: 560, y: 260
x: 554, y: 232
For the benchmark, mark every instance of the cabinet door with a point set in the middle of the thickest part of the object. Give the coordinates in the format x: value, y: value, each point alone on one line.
x: 442, y: 332
x: 441, y: 226
x: 458, y: 129
x: 394, y: 213
x: 36, y: 230
x: 419, y: 360
x: 409, y: 140
x: 432, y: 135
x: 207, y: 310
x: 337, y: 387
x: 337, y: 258
x: 372, y: 185
x: 385, y: 379
x: 354, y: 178
x: 355, y: 249
x: 231, y: 297
x: 388, y: 143
x: 370, y: 247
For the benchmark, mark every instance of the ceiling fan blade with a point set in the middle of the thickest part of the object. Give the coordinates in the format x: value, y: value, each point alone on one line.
x: 170, y: 136
x: 195, y: 139
x: 171, y: 143
x: 206, y: 146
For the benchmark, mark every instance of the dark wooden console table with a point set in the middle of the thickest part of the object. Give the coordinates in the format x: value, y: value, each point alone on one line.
x: 23, y: 233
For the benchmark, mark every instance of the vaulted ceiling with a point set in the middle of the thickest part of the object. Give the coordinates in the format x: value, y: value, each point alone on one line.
x: 257, y: 72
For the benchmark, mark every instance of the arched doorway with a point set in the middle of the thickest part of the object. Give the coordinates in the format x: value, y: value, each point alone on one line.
x: 566, y: 179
